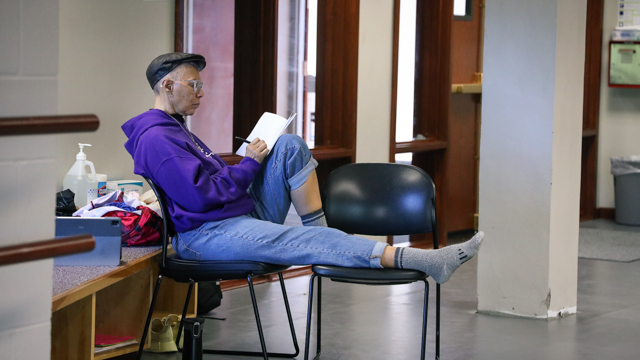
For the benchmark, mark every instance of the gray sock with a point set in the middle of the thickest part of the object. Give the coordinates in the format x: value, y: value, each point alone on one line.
x: 315, y: 218
x: 440, y: 264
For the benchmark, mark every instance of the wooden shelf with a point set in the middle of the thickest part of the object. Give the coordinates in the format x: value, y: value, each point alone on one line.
x: 116, y: 352
x: 589, y: 133
x: 230, y: 158
x: 466, y: 88
x: 473, y: 88
x: 420, y: 146
x: 325, y: 153
x: 115, y: 303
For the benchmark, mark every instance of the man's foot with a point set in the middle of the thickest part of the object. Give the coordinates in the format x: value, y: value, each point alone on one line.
x: 440, y: 264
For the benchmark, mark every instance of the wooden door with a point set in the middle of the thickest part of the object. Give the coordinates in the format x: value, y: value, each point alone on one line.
x: 464, y: 120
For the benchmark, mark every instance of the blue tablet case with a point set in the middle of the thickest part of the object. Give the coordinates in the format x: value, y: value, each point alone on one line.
x: 106, y: 231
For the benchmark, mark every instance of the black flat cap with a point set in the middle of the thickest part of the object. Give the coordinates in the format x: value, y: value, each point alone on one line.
x: 164, y: 64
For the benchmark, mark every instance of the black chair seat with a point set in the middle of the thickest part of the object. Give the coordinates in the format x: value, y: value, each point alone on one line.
x: 369, y: 276
x: 188, y: 271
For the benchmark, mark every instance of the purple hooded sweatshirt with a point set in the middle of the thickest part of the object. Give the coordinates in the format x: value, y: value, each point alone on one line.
x: 199, y: 188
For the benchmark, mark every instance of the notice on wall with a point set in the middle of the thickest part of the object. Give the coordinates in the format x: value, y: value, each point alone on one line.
x: 624, y: 65
x: 628, y: 13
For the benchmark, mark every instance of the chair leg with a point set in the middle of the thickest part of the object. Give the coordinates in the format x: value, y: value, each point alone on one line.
x: 184, y: 314
x: 319, y: 308
x: 309, y: 308
x: 149, y: 316
x: 257, y: 314
x: 264, y: 352
x: 437, y: 321
x: 424, y: 319
x: 318, y: 317
x: 288, y: 308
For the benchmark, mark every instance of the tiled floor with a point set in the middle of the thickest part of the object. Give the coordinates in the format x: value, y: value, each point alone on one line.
x: 366, y: 322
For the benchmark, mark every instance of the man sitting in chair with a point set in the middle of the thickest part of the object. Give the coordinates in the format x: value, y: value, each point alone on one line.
x: 223, y: 212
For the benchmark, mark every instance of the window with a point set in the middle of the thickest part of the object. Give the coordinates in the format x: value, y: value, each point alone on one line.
x: 462, y: 9
x: 406, y: 71
x: 422, y: 85
x: 210, y: 29
x: 297, y: 29
x: 406, y: 76
x: 210, y: 32
x: 259, y: 59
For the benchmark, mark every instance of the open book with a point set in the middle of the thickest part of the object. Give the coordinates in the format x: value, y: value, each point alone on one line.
x: 269, y: 128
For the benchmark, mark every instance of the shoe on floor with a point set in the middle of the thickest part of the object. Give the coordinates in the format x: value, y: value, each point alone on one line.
x: 174, y: 321
x: 162, y: 337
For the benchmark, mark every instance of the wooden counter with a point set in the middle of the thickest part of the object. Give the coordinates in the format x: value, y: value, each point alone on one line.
x: 109, y: 300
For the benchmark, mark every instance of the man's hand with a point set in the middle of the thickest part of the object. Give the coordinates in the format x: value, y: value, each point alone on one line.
x: 257, y: 150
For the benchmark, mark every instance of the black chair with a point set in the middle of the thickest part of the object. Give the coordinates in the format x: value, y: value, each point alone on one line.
x: 377, y: 199
x: 191, y: 272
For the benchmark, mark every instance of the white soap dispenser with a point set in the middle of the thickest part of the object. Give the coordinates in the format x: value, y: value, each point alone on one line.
x: 84, y: 187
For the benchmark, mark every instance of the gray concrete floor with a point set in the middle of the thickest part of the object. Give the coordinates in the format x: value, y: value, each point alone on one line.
x: 370, y: 322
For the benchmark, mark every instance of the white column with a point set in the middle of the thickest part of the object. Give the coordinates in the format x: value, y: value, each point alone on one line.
x: 530, y: 156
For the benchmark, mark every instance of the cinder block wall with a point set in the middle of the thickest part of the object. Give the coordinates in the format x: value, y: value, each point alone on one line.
x: 28, y: 86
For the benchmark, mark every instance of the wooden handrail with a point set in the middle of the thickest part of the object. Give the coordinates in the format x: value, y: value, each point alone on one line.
x: 32, y: 125
x: 46, y: 249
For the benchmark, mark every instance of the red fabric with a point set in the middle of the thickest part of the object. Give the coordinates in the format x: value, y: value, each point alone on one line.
x: 140, y: 230
x: 106, y: 340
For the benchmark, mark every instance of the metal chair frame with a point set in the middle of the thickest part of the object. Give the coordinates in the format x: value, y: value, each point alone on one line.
x: 174, y: 268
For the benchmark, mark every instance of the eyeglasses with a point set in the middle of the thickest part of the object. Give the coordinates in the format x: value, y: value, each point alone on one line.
x: 197, y: 84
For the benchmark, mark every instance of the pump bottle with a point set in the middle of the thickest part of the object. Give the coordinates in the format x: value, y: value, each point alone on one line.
x: 84, y: 187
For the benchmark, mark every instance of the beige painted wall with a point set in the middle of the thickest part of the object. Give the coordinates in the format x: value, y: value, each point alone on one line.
x: 105, y: 47
x: 619, y: 133
x: 530, y: 157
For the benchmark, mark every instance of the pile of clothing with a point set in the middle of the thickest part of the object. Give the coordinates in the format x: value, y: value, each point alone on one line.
x: 140, y: 214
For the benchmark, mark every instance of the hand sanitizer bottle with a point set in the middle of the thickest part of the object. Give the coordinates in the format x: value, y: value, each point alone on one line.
x: 84, y: 187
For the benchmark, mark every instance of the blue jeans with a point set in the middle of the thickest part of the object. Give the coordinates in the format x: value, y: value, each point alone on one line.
x: 260, y: 235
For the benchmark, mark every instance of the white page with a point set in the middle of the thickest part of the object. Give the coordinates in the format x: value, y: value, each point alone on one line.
x: 269, y: 128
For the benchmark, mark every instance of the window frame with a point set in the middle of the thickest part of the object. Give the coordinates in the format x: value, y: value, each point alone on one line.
x: 431, y: 98
x: 432, y: 77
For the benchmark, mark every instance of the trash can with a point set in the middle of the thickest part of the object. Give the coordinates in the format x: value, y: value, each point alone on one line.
x: 626, y: 180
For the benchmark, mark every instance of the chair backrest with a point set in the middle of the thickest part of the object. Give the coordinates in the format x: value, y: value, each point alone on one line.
x: 380, y: 199
x: 169, y: 230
